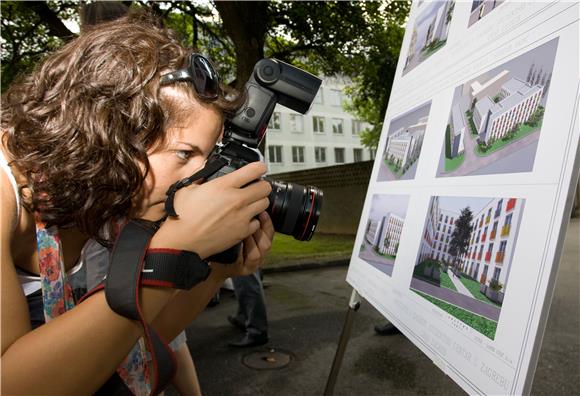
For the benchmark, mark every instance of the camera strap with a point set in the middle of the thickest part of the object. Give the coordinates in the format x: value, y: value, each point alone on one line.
x: 133, y: 265
x: 122, y: 292
x: 208, y: 170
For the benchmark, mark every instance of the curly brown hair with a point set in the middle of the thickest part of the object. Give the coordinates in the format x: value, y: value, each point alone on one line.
x: 79, y: 127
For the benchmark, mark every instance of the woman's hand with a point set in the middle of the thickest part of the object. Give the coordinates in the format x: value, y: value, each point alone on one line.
x: 255, y: 248
x: 218, y: 214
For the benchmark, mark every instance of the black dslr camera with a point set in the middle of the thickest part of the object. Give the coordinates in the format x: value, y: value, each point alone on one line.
x: 294, y: 209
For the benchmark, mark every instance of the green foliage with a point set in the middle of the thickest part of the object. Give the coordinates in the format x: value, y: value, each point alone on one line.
x: 359, y: 40
x: 495, y: 285
x: 473, y: 287
x: 485, y: 326
x: 448, y: 142
x: 536, y: 117
x: 447, y: 282
x: 26, y: 37
x: 461, y: 234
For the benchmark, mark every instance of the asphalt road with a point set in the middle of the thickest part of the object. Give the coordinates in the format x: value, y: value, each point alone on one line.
x: 306, y: 311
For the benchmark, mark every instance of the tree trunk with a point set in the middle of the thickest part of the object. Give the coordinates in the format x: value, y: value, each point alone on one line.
x: 55, y: 26
x: 246, y: 22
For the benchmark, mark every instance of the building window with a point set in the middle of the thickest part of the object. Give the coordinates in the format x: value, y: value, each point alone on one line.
x: 335, y: 97
x: 320, y: 154
x: 275, y: 154
x: 339, y: 155
x: 357, y: 154
x: 496, y: 273
x: 356, y: 127
x: 337, y: 126
x: 498, y: 208
x: 297, y: 154
x: 318, y: 124
x: 296, y: 123
x: 274, y: 122
x: 372, y: 153
x: 508, y: 219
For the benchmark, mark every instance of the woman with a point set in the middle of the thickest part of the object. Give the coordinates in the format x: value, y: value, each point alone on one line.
x: 96, y: 134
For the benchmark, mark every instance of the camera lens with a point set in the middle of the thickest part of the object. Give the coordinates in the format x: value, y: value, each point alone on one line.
x: 294, y: 209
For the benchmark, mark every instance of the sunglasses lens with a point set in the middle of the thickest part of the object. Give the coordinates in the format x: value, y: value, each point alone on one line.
x: 205, y: 78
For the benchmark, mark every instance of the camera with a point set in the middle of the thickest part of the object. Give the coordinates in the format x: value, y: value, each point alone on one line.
x: 294, y: 209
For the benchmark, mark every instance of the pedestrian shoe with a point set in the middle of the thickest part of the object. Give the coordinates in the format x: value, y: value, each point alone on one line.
x: 387, y: 329
x: 234, y: 321
x: 250, y: 340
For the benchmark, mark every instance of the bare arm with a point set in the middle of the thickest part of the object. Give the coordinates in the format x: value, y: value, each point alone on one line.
x: 79, y: 350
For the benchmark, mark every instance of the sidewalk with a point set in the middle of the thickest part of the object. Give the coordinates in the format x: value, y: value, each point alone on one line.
x: 306, y: 313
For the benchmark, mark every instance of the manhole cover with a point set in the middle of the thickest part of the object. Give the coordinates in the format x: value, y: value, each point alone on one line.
x: 267, y: 360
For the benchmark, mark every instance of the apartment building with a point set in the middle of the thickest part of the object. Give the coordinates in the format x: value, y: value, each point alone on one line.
x: 443, y: 235
x: 481, y: 8
x: 327, y: 135
x: 385, y: 234
x: 491, y: 245
x: 492, y: 242
x: 457, y: 131
x: 427, y: 242
x: 404, y: 145
x: 513, y: 104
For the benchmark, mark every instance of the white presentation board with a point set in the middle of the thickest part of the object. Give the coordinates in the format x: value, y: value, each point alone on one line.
x: 471, y: 191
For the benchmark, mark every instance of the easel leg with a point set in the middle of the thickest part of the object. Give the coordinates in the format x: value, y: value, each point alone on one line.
x: 353, y: 306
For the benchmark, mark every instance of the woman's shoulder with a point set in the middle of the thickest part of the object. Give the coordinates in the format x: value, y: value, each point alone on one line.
x: 9, y: 204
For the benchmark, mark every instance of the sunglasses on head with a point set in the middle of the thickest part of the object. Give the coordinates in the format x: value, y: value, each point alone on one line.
x: 200, y: 73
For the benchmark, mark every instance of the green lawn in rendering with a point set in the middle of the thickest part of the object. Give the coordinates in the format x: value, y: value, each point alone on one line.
x: 473, y: 288
x: 286, y: 248
x: 447, y: 282
x: 523, y: 131
x: 432, y: 48
x: 419, y: 271
x: 453, y: 163
x: 485, y: 326
x: 393, y: 169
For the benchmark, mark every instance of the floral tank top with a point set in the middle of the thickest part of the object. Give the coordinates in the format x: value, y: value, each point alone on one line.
x: 58, y: 298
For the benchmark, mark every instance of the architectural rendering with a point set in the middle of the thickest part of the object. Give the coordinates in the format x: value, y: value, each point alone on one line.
x: 496, y: 118
x: 465, y: 256
x: 480, y: 8
x: 383, y: 231
x: 429, y: 32
x: 403, y: 145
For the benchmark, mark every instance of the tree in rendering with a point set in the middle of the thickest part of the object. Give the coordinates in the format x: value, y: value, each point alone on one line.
x: 461, y: 234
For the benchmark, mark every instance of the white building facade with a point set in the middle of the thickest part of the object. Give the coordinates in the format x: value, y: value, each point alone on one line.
x: 491, y: 245
x: 385, y: 234
x: 443, y: 235
x: 513, y: 104
x: 326, y: 135
x: 427, y: 242
x: 492, y: 242
x: 404, y: 145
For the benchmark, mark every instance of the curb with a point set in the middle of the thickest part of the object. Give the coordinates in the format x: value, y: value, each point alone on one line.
x: 299, y: 266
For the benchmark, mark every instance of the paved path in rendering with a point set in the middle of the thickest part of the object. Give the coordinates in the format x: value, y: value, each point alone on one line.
x: 459, y: 285
x: 385, y: 173
x: 468, y: 303
x: 473, y: 162
x: 379, y: 262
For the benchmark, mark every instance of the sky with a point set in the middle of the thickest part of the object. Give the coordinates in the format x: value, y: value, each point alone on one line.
x: 383, y: 204
x: 456, y: 204
x: 409, y: 118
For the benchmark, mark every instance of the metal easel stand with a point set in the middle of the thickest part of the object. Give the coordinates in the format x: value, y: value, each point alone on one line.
x: 353, y: 306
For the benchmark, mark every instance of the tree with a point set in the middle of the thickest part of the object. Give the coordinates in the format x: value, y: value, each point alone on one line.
x: 461, y: 235
x: 360, y: 40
